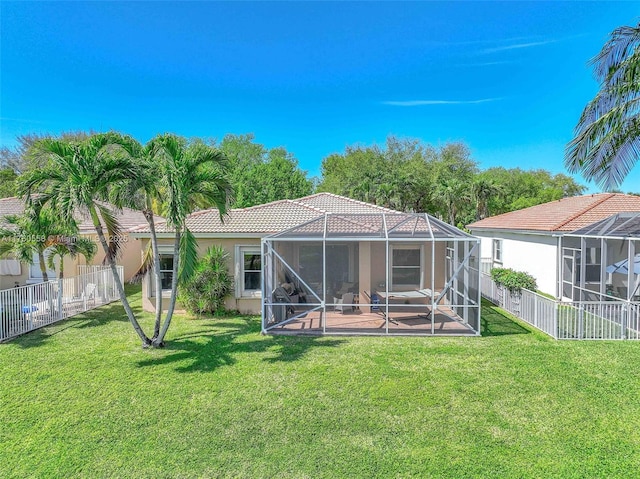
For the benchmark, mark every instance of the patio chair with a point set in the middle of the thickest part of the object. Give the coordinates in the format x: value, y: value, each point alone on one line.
x: 89, y: 294
x: 347, y: 299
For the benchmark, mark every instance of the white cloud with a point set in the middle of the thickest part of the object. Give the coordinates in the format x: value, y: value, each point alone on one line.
x: 516, y: 46
x: 438, y: 102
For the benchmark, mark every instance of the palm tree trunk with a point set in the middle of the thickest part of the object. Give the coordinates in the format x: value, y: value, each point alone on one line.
x: 127, y: 307
x: 159, y: 341
x: 43, y: 266
x: 148, y: 214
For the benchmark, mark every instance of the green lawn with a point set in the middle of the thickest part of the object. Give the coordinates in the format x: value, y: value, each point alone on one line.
x: 82, y: 399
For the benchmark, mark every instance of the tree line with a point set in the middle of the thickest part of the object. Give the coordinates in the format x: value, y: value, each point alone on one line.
x: 403, y: 174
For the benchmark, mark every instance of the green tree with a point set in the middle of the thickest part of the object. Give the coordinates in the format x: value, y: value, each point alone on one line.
x: 483, y: 189
x: 142, y: 192
x: 210, y: 283
x: 77, y: 178
x: 454, y: 171
x: 259, y: 175
x: 7, y: 182
x: 521, y: 189
x: 36, y: 231
x: 191, y: 176
x: 25, y: 155
x: 606, y: 144
x: 396, y: 176
x: 71, y: 246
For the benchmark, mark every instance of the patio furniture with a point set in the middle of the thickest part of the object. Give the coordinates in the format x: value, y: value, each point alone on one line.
x: 347, y: 299
x: 89, y: 294
x: 287, y: 306
x: 425, y: 293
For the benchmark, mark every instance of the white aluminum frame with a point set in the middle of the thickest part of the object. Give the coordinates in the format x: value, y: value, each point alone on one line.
x: 461, y: 266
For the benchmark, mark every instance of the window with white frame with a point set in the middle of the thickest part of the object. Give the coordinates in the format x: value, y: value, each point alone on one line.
x: 497, y: 251
x: 165, y: 253
x: 406, y: 267
x: 35, y: 272
x: 249, y: 271
x: 166, y: 271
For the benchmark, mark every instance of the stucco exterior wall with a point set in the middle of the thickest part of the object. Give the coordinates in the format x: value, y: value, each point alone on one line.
x: 535, y: 254
x: 9, y: 281
x: 371, y: 273
x: 245, y: 305
x: 130, y: 258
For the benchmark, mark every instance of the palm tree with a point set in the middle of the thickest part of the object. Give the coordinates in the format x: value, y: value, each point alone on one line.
x: 72, y: 247
x: 142, y: 193
x: 77, y: 178
x: 606, y: 145
x: 33, y: 233
x: 191, y: 176
x: 483, y: 189
x: 453, y: 194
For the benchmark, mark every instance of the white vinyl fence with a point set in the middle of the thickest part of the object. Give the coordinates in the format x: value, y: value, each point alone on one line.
x: 607, y: 319
x: 26, y: 308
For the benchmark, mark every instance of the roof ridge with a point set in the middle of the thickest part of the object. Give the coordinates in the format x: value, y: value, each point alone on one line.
x: 309, y: 207
x: 246, y: 208
x: 605, y: 197
x: 359, y: 202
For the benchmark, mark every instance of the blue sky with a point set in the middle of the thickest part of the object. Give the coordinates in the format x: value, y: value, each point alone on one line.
x: 509, y: 79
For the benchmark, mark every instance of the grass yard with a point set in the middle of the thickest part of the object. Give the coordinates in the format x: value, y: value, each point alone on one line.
x: 82, y: 399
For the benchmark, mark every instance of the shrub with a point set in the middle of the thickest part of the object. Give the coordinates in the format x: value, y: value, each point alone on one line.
x: 514, y: 281
x: 211, y: 282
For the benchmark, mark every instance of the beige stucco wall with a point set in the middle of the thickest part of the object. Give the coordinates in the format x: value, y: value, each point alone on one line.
x: 243, y: 305
x: 131, y: 259
x: 7, y: 281
x: 373, y: 273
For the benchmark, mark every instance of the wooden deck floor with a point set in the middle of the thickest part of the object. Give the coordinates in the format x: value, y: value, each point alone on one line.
x: 358, y: 322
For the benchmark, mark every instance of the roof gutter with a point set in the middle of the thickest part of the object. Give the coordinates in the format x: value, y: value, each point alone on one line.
x: 202, y: 235
x: 515, y: 231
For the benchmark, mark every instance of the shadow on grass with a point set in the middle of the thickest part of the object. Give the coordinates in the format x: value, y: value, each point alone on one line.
x: 226, y: 340
x: 496, y: 323
x: 100, y: 316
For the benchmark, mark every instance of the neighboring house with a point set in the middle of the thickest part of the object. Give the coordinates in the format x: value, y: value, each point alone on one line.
x: 14, y: 273
x: 536, y: 239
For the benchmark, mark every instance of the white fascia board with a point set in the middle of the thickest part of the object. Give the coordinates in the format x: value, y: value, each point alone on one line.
x: 478, y: 231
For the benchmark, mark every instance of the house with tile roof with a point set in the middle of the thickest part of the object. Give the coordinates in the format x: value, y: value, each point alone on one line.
x: 240, y: 233
x: 535, y: 239
x: 14, y: 273
x: 332, y: 258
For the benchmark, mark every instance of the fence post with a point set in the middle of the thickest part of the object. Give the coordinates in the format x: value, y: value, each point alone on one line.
x: 625, y: 319
x: 556, y: 332
x: 580, y: 332
x: 60, y: 292
x: 30, y: 306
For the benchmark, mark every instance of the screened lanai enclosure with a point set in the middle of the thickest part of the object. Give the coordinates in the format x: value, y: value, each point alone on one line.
x: 383, y: 273
x: 601, y: 262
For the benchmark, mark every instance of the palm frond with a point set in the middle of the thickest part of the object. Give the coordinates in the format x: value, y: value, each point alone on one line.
x: 146, y: 266
x: 622, y: 43
x: 606, y: 143
x: 114, y: 232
